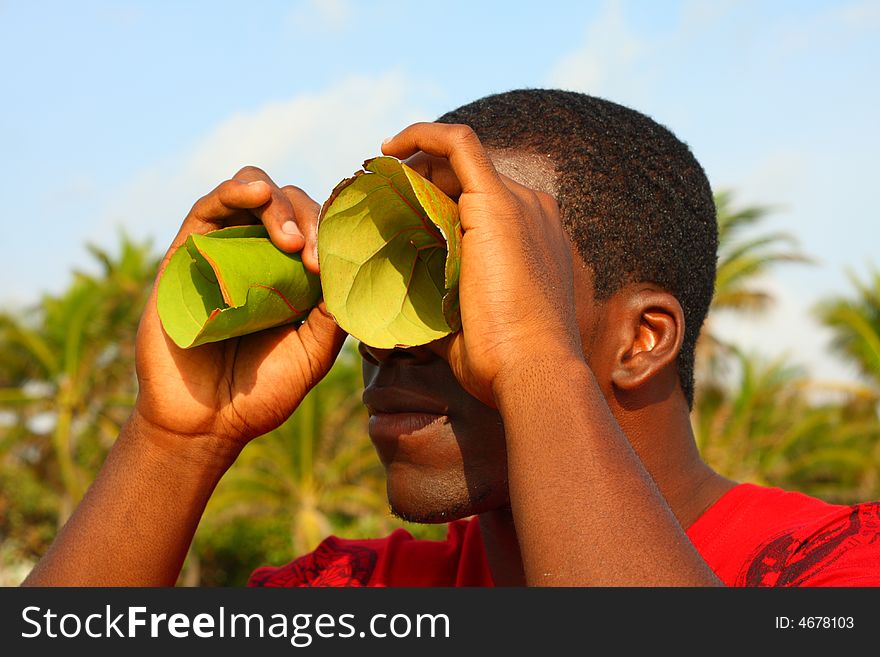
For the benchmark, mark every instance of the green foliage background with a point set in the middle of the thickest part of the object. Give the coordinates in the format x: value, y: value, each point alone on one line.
x: 67, y: 384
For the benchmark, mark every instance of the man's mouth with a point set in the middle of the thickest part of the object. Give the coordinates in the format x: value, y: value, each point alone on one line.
x: 391, y: 426
x: 396, y: 412
x: 388, y: 400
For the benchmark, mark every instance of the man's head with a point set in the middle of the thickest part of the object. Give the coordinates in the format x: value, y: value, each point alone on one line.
x: 640, y: 214
x: 633, y: 199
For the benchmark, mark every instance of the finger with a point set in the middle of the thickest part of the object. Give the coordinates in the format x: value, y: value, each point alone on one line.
x: 306, y: 212
x: 230, y: 203
x: 227, y: 201
x: 438, y: 171
x: 458, y: 144
x: 277, y: 214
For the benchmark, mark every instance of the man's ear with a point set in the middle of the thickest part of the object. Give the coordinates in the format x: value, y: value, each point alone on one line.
x: 650, y: 330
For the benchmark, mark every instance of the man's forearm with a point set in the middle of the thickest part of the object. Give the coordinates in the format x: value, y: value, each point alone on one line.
x: 135, y: 524
x: 586, y: 510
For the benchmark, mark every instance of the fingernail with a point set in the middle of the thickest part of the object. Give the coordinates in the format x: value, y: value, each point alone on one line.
x: 289, y: 228
x: 386, y: 140
x: 255, y: 183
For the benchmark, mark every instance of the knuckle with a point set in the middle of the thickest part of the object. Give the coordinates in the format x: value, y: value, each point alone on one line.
x: 292, y: 190
x: 298, y: 198
x: 225, y: 186
x: 203, y: 203
x: 463, y: 134
x: 251, y: 172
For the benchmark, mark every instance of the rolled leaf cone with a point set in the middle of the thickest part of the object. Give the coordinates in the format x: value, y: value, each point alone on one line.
x: 389, y: 247
x: 231, y: 282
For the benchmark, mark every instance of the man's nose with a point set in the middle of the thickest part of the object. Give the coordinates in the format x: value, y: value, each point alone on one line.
x: 409, y: 355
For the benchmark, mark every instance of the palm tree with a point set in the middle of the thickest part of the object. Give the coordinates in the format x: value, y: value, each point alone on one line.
x: 766, y: 422
x: 856, y: 325
x: 66, y: 371
x: 744, y: 258
x: 774, y: 426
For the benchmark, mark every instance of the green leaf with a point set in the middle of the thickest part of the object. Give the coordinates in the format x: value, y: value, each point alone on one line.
x: 231, y: 282
x: 389, y: 245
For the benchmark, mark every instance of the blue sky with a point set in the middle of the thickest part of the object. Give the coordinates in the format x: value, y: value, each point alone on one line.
x: 123, y: 113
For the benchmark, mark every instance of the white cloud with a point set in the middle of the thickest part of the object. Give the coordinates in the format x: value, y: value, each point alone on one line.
x: 122, y: 17
x: 320, y: 16
x: 699, y: 15
x: 861, y: 15
x: 311, y: 140
x: 607, y: 56
x: 827, y: 29
x: 776, y: 178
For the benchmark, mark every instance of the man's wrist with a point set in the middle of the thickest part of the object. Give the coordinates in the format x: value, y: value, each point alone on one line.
x: 202, y: 455
x: 530, y: 375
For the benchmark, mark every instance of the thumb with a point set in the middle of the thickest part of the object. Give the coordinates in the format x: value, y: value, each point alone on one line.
x: 322, y: 339
x: 452, y: 349
x: 446, y: 347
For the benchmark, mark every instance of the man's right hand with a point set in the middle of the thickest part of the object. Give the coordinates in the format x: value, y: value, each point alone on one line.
x: 223, y: 394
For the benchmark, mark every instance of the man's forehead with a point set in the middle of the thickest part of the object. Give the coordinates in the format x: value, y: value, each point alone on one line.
x: 538, y: 172
x: 528, y: 168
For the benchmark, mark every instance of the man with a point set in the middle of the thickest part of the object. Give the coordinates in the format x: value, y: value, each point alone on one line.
x: 558, y: 417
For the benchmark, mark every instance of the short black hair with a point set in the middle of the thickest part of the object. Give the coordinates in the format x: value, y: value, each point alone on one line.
x: 632, y: 196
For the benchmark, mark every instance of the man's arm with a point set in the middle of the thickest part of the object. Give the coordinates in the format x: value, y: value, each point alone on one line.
x: 135, y: 524
x: 196, y: 409
x: 586, y: 511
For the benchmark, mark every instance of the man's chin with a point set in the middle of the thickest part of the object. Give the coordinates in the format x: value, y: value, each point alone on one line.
x: 431, y: 516
x: 432, y: 504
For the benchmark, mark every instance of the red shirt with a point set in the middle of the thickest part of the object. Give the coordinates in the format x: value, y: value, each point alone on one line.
x: 752, y: 536
x: 756, y: 536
